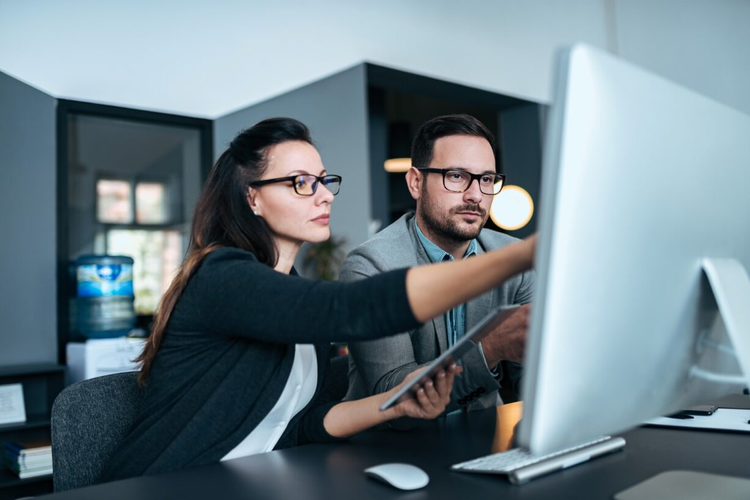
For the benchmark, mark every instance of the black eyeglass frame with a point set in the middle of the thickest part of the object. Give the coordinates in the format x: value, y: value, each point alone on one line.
x: 318, y: 180
x: 478, y: 177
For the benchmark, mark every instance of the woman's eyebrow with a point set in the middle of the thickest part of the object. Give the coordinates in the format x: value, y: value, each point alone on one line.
x: 305, y: 172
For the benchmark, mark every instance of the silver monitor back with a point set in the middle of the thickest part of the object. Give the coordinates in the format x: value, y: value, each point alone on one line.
x: 642, y: 179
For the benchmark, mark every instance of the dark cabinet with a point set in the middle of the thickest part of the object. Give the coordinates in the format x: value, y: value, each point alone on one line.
x: 41, y: 385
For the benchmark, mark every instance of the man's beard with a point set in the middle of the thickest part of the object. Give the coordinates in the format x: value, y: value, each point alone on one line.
x: 446, y: 228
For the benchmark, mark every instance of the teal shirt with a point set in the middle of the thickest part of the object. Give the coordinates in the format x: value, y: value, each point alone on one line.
x: 455, y: 319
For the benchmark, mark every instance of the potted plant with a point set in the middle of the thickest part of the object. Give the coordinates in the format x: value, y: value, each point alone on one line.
x: 323, y: 260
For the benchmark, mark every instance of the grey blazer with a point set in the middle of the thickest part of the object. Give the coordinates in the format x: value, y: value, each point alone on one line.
x: 379, y: 365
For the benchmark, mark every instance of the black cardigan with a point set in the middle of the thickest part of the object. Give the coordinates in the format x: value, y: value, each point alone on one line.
x: 228, y: 351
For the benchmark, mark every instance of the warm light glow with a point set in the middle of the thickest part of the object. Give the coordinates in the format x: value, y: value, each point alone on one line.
x: 512, y: 208
x: 508, y: 416
x: 397, y: 165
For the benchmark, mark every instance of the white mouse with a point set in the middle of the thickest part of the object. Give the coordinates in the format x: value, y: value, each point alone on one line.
x: 401, y: 476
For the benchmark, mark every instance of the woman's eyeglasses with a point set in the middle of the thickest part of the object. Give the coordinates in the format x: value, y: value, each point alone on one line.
x: 306, y: 184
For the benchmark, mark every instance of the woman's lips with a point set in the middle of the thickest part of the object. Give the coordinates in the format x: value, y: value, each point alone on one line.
x: 322, y: 219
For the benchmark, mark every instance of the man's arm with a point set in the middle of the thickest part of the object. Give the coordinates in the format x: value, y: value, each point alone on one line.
x: 525, y: 292
x: 382, y: 364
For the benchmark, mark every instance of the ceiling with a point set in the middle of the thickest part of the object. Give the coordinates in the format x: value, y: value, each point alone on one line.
x: 207, y: 59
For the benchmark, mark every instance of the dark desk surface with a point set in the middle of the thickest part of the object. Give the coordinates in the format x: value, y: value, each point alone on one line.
x: 335, y: 471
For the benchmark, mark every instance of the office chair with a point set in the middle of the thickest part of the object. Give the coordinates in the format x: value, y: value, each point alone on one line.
x: 89, y: 419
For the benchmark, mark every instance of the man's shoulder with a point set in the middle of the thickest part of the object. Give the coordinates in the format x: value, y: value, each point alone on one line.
x: 397, y: 232
x: 391, y: 248
x: 395, y: 235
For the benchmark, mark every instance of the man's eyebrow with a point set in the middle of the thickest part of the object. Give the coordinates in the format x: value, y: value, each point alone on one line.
x: 462, y: 169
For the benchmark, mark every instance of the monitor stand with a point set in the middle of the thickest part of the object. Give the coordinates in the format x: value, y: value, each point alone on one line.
x: 687, y: 485
x: 731, y: 288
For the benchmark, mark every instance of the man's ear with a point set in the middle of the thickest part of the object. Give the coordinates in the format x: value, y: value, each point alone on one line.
x: 414, y: 180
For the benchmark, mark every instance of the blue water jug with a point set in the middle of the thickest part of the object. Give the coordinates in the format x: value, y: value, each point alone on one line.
x: 104, y: 299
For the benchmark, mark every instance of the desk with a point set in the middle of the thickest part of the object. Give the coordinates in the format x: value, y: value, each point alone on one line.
x: 335, y: 471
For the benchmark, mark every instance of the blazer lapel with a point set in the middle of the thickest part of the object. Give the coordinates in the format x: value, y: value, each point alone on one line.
x: 481, y: 306
x: 438, y: 323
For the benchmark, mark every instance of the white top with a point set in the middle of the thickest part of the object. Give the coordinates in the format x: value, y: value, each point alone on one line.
x: 298, y: 392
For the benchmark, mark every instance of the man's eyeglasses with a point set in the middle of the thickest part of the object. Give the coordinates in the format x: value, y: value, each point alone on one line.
x: 459, y: 181
x: 306, y: 184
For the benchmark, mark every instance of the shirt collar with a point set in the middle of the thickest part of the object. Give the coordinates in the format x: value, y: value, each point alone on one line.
x: 437, y: 254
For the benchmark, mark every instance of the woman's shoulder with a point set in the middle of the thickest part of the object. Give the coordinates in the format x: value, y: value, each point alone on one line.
x: 228, y: 256
x: 230, y: 253
x: 229, y: 260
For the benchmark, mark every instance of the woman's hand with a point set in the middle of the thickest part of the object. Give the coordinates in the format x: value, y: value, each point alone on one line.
x: 350, y: 417
x: 432, y: 397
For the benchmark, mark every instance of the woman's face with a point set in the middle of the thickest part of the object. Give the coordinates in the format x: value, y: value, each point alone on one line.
x: 293, y: 217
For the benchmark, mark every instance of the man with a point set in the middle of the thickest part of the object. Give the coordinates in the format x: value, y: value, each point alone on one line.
x: 453, y: 180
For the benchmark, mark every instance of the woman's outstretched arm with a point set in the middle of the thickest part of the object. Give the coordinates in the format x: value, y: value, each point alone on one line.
x: 436, y: 288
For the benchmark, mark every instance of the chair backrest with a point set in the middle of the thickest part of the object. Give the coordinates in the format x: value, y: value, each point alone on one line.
x: 89, y: 419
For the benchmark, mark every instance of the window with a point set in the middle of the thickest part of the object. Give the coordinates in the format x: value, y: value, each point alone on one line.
x: 113, y: 202
x: 151, y: 203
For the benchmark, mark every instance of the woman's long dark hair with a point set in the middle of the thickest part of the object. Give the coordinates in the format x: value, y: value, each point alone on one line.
x: 223, y: 217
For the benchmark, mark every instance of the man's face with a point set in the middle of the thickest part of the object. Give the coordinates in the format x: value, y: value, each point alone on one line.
x: 456, y: 217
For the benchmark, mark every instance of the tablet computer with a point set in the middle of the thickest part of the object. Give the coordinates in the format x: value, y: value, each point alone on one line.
x: 459, y: 349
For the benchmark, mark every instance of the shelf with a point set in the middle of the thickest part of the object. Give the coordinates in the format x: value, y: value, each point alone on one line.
x: 9, y: 479
x: 32, y: 422
x: 41, y: 382
x: 33, y: 369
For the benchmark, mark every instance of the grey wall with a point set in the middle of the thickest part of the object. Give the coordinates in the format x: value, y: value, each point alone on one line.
x: 335, y: 109
x: 699, y: 44
x: 28, y: 308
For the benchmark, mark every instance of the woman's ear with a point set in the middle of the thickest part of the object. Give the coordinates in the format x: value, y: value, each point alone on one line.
x: 252, y: 200
x: 414, y: 180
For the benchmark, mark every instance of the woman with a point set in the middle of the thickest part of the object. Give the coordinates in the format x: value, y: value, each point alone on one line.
x: 230, y: 368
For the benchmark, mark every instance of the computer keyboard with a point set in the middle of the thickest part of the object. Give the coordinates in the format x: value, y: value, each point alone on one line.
x: 521, y: 465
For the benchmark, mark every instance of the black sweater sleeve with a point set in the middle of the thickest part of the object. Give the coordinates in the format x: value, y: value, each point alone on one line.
x: 234, y: 294
x: 335, y: 385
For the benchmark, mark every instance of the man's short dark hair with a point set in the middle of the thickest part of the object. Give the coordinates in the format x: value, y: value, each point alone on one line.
x: 443, y: 126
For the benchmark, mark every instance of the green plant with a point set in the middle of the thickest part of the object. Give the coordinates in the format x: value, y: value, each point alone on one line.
x: 324, y: 259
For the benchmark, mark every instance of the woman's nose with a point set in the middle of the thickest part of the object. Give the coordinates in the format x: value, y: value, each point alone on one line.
x: 323, y: 194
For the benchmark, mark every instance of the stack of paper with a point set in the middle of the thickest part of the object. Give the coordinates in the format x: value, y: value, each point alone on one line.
x: 29, y: 458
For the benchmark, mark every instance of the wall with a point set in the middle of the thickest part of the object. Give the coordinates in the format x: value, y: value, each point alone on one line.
x: 701, y: 44
x: 204, y: 60
x: 211, y: 58
x: 28, y: 308
x: 335, y: 110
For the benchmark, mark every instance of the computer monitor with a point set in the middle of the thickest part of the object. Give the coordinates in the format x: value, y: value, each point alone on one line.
x: 645, y: 219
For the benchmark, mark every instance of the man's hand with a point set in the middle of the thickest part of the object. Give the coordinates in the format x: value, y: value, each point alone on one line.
x: 508, y: 341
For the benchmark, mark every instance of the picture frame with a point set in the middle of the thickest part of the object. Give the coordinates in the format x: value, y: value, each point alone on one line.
x: 12, y: 407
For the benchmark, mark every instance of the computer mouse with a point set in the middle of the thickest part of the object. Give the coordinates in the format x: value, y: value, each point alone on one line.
x: 401, y: 476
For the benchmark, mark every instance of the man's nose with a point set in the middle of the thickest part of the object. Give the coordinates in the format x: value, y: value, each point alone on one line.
x: 473, y: 193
